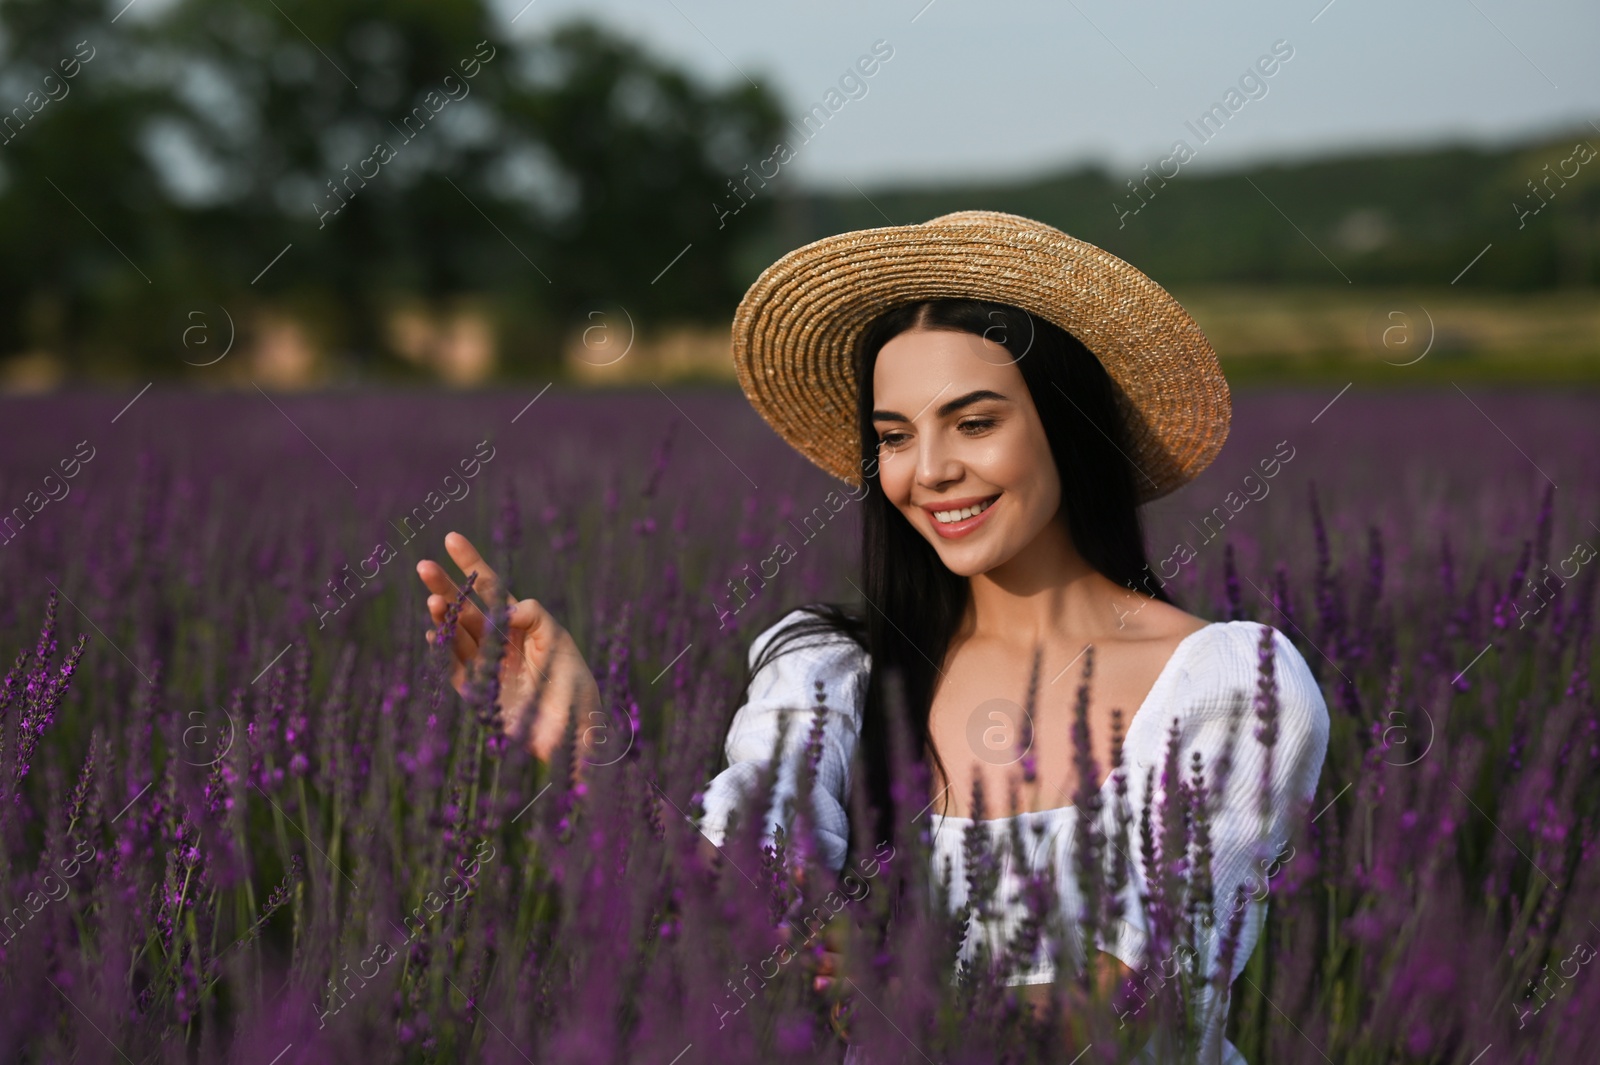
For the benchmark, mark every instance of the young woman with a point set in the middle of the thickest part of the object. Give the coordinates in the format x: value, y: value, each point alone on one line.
x: 1009, y: 396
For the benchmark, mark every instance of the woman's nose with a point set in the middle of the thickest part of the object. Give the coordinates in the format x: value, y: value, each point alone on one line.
x: 937, y: 465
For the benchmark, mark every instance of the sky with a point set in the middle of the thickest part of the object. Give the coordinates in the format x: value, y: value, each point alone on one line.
x: 1014, y: 88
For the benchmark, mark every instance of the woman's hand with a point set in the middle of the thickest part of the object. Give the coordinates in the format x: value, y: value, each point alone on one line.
x: 831, y: 964
x: 825, y: 965
x: 1109, y: 974
x: 543, y: 675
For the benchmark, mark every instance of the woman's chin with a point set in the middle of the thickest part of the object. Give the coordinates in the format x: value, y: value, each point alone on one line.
x: 964, y: 561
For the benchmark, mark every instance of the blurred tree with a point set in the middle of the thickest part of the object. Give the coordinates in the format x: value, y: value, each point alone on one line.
x: 87, y: 236
x: 386, y: 150
x: 642, y: 158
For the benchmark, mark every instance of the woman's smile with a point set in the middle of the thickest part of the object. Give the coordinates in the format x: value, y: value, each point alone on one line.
x: 958, y: 518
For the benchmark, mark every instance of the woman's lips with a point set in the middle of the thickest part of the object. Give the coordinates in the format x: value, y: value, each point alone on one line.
x: 957, y: 529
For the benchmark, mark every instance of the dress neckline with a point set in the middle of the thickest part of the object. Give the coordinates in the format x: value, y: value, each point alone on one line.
x: 1052, y: 812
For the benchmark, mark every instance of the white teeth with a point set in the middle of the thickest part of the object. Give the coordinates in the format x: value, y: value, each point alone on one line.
x: 948, y: 516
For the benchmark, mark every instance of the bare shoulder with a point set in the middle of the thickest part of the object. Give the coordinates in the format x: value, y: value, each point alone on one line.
x: 1159, y: 623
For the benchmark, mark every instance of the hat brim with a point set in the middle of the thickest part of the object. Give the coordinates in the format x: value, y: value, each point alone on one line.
x: 795, y: 333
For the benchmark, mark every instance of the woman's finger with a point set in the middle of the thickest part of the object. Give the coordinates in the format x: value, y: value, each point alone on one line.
x: 827, y: 968
x: 488, y: 584
x: 526, y: 637
x: 470, y: 620
x: 447, y: 591
x: 535, y: 621
x: 463, y: 646
x: 458, y: 664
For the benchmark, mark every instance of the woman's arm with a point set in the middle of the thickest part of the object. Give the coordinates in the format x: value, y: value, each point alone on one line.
x: 788, y: 683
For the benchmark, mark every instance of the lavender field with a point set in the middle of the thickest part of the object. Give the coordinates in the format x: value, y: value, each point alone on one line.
x: 245, y: 818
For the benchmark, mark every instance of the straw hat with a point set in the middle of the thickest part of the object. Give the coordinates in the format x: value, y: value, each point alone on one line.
x: 795, y: 331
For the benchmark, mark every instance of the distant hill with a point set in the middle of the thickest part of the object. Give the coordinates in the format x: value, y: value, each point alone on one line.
x: 1380, y: 218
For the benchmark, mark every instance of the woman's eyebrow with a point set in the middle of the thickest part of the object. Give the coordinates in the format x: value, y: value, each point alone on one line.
x: 975, y: 396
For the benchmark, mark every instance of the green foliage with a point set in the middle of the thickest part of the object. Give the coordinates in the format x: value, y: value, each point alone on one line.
x: 1376, y: 218
x: 550, y: 172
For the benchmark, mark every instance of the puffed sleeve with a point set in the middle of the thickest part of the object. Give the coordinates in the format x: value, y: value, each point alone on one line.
x: 788, y: 683
x: 1247, y: 848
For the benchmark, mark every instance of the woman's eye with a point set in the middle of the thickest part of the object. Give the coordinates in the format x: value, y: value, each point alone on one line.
x: 971, y: 427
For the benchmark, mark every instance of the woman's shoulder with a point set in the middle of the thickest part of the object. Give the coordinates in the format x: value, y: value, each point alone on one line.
x: 812, y: 630
x: 810, y: 645
x: 1213, y: 707
x: 1225, y: 664
x: 1237, y: 651
x: 819, y: 665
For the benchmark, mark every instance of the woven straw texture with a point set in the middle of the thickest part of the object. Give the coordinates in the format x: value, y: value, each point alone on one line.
x: 795, y: 331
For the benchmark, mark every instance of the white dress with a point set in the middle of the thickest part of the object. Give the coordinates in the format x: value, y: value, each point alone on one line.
x: 1210, y: 671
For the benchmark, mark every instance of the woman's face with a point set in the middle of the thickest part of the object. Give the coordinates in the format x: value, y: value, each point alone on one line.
x: 956, y: 429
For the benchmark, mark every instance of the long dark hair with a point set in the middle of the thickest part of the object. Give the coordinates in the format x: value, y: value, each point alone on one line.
x: 917, y: 603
